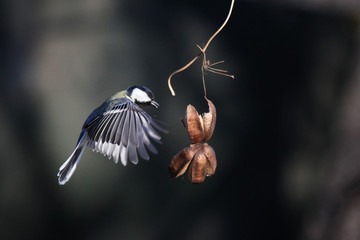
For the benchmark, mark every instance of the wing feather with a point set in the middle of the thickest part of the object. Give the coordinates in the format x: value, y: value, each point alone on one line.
x: 125, y: 129
x: 124, y: 132
x: 149, y: 129
x: 115, y: 127
x: 123, y: 154
x: 120, y: 129
x: 133, y: 136
x: 101, y: 127
x: 108, y: 131
x: 132, y: 154
x: 116, y: 153
x: 107, y: 127
x: 142, y: 138
x: 140, y: 130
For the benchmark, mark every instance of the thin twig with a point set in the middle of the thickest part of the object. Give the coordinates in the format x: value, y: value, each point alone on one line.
x: 222, y: 26
x: 180, y: 70
x: 205, y: 63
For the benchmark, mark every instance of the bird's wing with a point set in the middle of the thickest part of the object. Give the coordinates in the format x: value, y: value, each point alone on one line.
x: 123, y: 132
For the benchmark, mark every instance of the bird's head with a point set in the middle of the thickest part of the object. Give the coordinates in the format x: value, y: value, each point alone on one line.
x: 141, y: 95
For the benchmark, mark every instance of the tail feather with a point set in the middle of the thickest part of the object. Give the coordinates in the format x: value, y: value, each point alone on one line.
x: 67, y: 169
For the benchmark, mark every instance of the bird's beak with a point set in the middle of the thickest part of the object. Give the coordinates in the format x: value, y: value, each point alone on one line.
x: 155, y: 104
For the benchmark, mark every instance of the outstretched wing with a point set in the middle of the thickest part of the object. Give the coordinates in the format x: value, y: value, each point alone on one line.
x: 123, y: 132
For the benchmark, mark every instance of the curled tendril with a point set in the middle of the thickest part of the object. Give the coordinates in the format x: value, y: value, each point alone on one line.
x: 206, y: 65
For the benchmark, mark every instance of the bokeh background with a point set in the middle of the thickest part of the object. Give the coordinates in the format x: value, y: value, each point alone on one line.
x: 287, y: 136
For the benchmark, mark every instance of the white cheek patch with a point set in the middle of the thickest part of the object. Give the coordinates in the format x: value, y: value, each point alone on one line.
x: 140, y: 96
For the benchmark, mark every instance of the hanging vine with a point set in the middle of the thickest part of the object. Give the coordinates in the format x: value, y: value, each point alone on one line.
x: 199, y: 159
x: 206, y: 65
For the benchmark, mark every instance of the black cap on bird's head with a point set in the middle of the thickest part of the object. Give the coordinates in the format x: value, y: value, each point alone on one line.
x: 141, y: 95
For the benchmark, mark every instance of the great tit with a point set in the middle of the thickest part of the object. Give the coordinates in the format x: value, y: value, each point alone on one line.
x: 119, y: 129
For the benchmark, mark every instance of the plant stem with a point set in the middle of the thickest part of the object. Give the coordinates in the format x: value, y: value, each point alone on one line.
x: 201, y: 53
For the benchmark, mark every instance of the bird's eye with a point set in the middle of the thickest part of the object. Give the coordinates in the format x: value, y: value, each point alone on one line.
x: 150, y: 95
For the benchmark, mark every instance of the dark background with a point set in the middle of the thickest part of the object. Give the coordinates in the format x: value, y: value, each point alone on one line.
x: 287, y: 135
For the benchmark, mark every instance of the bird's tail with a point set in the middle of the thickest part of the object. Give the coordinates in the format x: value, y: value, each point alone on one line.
x: 67, y: 169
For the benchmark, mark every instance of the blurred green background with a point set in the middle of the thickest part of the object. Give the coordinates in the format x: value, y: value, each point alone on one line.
x: 287, y: 135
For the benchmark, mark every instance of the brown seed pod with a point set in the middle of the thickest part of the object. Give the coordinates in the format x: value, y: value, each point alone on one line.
x: 209, y: 152
x: 180, y: 163
x: 200, y: 127
x: 197, y: 168
x: 194, y: 125
x: 209, y: 121
x: 199, y: 159
x: 203, y: 165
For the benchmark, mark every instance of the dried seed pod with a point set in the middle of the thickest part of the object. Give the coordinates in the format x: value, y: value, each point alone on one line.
x: 194, y: 125
x: 180, y: 162
x: 203, y: 164
x: 209, y: 121
x: 200, y: 128
x: 197, y: 168
x: 211, y: 157
x: 199, y: 159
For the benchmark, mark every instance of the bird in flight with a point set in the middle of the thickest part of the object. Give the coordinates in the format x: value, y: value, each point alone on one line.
x: 118, y: 129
